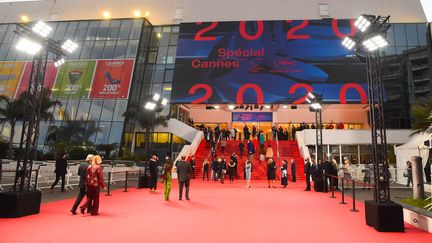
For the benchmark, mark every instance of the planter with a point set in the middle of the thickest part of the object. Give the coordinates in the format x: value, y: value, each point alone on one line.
x: 418, y: 217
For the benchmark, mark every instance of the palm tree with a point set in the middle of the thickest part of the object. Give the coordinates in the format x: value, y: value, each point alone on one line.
x: 146, y: 119
x: 421, y: 113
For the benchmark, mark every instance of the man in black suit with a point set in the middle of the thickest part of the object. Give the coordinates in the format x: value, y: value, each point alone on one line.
x: 192, y: 164
x: 307, y: 171
x: 153, y: 166
x: 293, y: 171
x: 82, y: 170
x: 241, y: 148
x: 60, y: 171
x: 183, y: 175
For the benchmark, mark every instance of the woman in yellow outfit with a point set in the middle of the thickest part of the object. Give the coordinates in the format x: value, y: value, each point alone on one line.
x: 167, y: 178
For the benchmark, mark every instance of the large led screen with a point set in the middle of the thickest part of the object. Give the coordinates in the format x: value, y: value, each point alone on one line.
x: 252, y: 62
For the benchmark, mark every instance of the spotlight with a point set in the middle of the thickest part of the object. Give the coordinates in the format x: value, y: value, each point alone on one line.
x: 146, y: 13
x: 106, y: 14
x: 375, y: 42
x: 25, y: 19
x: 308, y: 100
x: 150, y: 106
x: 267, y: 106
x: 362, y: 23
x: 59, y: 62
x: 137, y: 13
x: 231, y: 107
x: 261, y: 108
x: 316, y: 106
x: 216, y: 107
x: 256, y: 106
x: 285, y: 106
x: 247, y: 107
x: 241, y: 106
x: 348, y: 43
x: 164, y: 102
x: 42, y: 29
x: 158, y: 35
x: 310, y: 95
x: 156, y: 97
x: 69, y: 46
x: 28, y: 46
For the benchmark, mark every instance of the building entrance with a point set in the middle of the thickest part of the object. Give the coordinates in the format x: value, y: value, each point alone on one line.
x: 265, y: 127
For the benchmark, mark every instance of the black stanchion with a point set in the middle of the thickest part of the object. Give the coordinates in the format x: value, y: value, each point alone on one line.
x: 354, y: 198
x: 126, y: 183
x: 36, y: 179
x: 109, y: 184
x: 139, y: 179
x: 332, y: 187
x: 343, y: 192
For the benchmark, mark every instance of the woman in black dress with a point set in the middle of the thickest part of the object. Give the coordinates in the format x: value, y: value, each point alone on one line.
x: 231, y: 170
x: 284, y: 174
x: 271, y: 173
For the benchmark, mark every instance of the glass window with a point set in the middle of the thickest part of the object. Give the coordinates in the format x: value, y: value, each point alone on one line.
x: 109, y: 49
x: 97, y: 50
x: 60, y: 31
x: 158, y: 76
x: 422, y: 32
x: 86, y: 49
x: 157, y: 88
x: 71, y: 110
x: 400, y: 36
x: 116, y: 132
x: 103, y: 133
x: 90, y: 133
x: 175, y: 29
x: 3, y: 29
x: 107, y: 111
x: 9, y: 35
x: 4, y: 49
x: 132, y: 48
x: 120, y: 110
x: 103, y: 30
x: 169, y: 75
x: 70, y: 31
x: 59, y: 110
x: 77, y: 52
x: 81, y: 31
x: 162, y: 55
x: 83, y: 110
x: 136, y: 29
x: 120, y: 49
x: 173, y: 39
x: 152, y: 57
x: 171, y: 54
x: 114, y: 29
x: 95, y: 111
x: 390, y: 36
x: 92, y: 30
x: 125, y: 29
x: 52, y: 132
x: 411, y: 34
x: 164, y: 39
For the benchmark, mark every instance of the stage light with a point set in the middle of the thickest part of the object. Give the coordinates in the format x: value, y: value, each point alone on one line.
x: 241, y: 106
x: 28, y: 46
x: 146, y: 14
x: 156, y: 97
x: 231, y: 107
x: 375, y: 42
x: 106, y: 14
x: 247, y: 107
x: 150, y: 106
x: 256, y: 106
x: 267, y: 106
x: 261, y: 108
x: 308, y: 100
x: 285, y: 106
x: 59, y: 62
x: 164, y: 102
x: 42, y: 29
x: 348, y: 43
x: 316, y: 106
x: 362, y: 23
x: 69, y: 46
x: 216, y: 107
x: 25, y: 19
x: 137, y: 13
x: 310, y: 95
x: 158, y: 35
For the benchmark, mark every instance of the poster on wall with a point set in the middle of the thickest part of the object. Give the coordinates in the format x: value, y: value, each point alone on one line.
x: 50, y: 77
x: 252, y: 116
x: 249, y: 62
x: 10, y: 74
x: 74, y: 80
x: 112, y: 79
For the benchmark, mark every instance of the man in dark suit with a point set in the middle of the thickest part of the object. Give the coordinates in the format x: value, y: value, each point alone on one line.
x: 82, y: 170
x: 60, y: 171
x: 293, y: 171
x: 307, y: 171
x: 241, y: 148
x: 192, y: 164
x: 183, y: 175
x: 153, y: 166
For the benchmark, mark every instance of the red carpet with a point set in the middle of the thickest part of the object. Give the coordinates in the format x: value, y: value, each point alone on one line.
x: 217, y: 213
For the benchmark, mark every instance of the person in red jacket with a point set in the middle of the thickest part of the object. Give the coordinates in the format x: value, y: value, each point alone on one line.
x: 94, y: 181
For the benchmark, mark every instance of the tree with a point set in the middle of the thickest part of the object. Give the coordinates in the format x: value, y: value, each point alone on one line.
x: 146, y: 119
x: 421, y: 113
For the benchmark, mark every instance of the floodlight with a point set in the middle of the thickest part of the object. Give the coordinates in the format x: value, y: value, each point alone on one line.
x: 150, y: 106
x: 216, y: 107
x: 375, y: 42
x: 156, y: 97
x: 42, y: 29
x: 231, y: 107
x: 308, y: 100
x: 285, y: 106
x: 69, y: 46
x: 316, y: 106
x: 28, y: 46
x: 362, y: 23
x: 310, y: 95
x: 348, y: 43
x: 267, y: 106
x: 59, y: 62
x: 137, y: 13
x: 164, y: 102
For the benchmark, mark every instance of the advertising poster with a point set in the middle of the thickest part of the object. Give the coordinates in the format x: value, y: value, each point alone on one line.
x: 112, y: 79
x: 264, y: 62
x: 252, y: 116
x: 50, y: 77
x: 74, y: 79
x: 10, y: 74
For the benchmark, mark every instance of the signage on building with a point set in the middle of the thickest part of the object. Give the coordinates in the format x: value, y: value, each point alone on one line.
x: 252, y: 116
x: 10, y: 74
x: 267, y: 62
x: 49, y: 79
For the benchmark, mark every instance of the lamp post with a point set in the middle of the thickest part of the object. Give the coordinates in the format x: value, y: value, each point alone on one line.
x: 33, y: 41
x: 369, y: 39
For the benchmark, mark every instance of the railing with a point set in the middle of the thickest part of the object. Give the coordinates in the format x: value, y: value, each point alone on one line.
x: 127, y: 178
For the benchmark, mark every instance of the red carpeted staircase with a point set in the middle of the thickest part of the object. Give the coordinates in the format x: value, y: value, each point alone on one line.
x: 288, y: 150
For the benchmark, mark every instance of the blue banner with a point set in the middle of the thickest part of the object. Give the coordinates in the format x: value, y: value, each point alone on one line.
x: 252, y: 116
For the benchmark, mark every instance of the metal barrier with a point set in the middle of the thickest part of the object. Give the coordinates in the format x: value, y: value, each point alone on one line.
x: 127, y: 179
